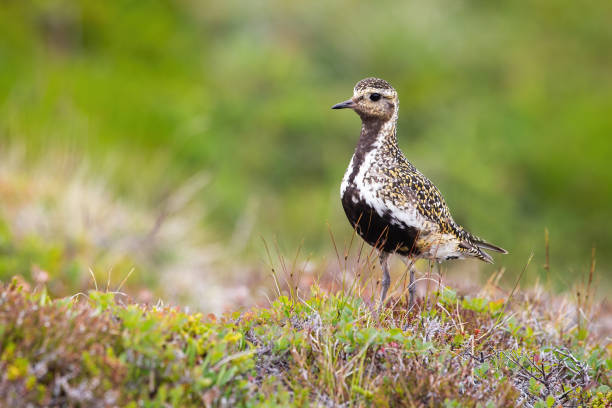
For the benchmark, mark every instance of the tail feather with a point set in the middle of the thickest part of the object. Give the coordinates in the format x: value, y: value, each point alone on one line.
x: 483, y: 256
x: 472, y: 249
x: 485, y: 245
x: 476, y: 246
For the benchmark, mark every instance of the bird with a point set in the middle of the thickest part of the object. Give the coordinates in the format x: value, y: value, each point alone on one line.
x: 391, y: 204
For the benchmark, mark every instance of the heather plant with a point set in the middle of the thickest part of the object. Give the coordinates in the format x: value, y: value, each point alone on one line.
x: 323, y: 349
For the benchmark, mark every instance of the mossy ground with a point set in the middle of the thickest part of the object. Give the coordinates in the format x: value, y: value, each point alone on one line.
x: 99, y: 349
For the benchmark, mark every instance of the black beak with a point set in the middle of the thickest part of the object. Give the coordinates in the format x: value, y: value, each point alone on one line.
x: 345, y: 104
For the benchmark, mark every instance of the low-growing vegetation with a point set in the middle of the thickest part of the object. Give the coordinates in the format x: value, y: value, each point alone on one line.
x: 330, y: 350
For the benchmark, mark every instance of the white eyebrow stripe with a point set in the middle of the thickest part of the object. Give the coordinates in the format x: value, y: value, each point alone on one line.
x: 387, y: 93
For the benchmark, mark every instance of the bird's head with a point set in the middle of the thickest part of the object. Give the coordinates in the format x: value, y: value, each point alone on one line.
x: 373, y: 98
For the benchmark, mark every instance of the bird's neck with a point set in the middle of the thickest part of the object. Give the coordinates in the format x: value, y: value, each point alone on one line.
x: 376, y: 134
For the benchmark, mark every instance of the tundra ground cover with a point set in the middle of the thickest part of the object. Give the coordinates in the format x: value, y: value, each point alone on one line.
x: 328, y: 349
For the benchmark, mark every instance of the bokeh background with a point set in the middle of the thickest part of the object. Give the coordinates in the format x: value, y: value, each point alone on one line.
x: 180, y: 137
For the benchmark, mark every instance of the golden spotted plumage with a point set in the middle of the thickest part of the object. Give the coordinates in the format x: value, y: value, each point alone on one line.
x: 391, y: 204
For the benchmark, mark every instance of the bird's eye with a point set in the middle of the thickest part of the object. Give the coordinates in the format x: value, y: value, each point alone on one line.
x: 374, y: 97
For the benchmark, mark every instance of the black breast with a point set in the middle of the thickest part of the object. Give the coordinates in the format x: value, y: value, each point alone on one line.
x: 378, y: 231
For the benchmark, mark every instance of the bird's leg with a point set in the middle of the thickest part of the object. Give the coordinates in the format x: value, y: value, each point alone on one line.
x: 412, y: 286
x: 386, y: 278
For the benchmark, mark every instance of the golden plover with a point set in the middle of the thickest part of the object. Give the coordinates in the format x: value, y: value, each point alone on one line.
x: 391, y: 205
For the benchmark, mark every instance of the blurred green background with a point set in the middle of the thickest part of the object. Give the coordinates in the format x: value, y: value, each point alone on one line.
x: 506, y: 106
